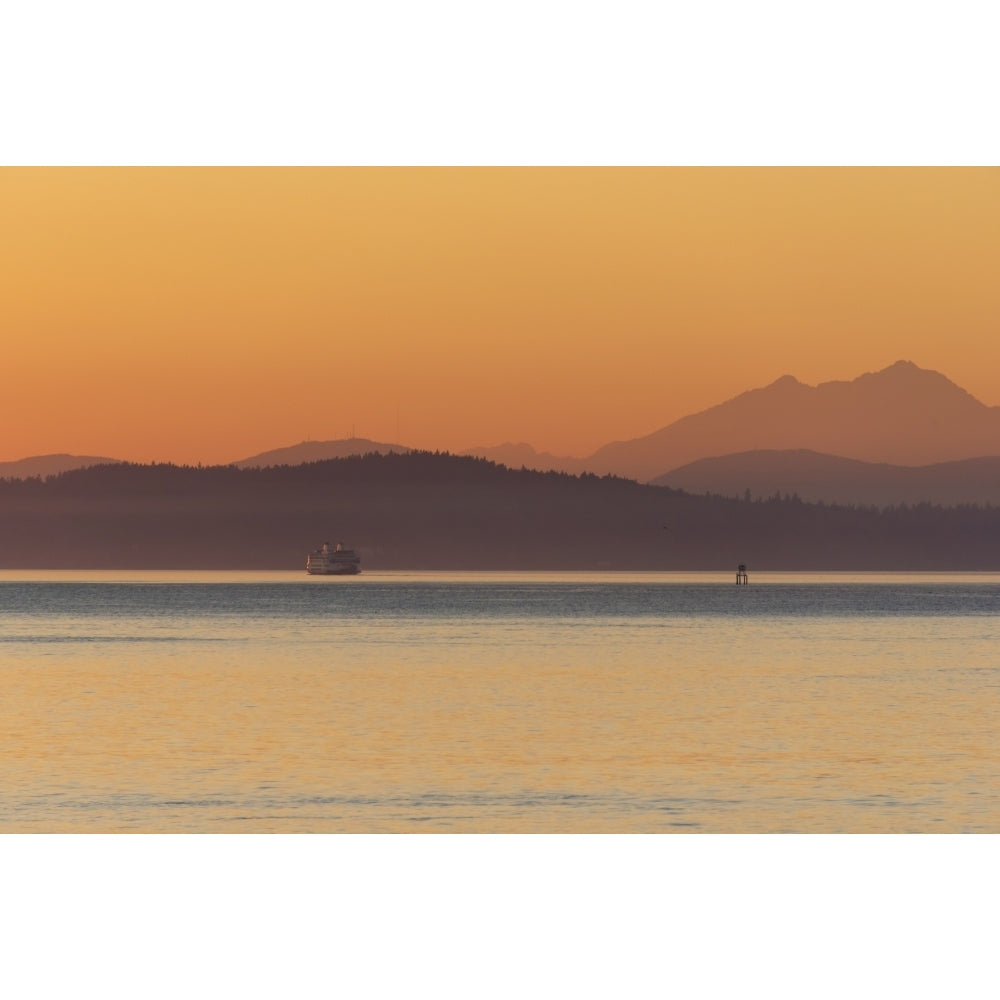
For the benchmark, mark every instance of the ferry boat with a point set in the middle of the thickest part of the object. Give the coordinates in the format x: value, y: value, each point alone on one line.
x: 333, y: 562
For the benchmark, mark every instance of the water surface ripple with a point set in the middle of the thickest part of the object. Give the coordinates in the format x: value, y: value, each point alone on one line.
x: 499, y: 703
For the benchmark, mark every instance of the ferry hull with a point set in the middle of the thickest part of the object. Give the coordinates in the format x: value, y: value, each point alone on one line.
x: 333, y: 571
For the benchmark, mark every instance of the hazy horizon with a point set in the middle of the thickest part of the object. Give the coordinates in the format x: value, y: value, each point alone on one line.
x: 496, y: 446
x: 208, y: 314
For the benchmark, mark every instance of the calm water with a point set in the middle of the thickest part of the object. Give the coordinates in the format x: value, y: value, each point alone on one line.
x: 205, y: 702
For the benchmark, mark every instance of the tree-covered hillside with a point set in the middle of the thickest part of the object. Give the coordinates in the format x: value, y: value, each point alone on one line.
x: 439, y: 511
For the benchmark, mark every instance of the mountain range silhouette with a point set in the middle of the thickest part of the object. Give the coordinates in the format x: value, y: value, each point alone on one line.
x: 902, y: 415
x: 785, y: 436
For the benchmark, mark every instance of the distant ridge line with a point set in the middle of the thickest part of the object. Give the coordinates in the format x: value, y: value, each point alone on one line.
x: 815, y: 477
x: 317, y: 451
x: 902, y: 415
x: 50, y: 465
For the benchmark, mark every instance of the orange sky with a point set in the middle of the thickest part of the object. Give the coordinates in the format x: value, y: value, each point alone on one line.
x: 207, y: 314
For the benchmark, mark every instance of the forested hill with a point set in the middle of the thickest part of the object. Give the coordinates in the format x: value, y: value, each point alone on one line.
x: 439, y: 511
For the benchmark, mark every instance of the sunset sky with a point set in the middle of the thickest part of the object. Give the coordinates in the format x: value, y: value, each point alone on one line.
x: 206, y: 314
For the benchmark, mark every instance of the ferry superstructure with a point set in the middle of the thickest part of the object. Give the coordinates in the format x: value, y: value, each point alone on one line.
x: 338, y: 561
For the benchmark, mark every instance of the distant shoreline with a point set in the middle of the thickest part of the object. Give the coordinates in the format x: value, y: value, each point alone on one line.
x: 384, y: 574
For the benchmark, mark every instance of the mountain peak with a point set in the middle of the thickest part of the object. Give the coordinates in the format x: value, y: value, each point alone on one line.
x: 902, y: 369
x: 905, y: 376
x: 906, y: 370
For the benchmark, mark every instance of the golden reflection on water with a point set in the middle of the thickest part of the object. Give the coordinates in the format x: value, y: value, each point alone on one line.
x: 504, y: 724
